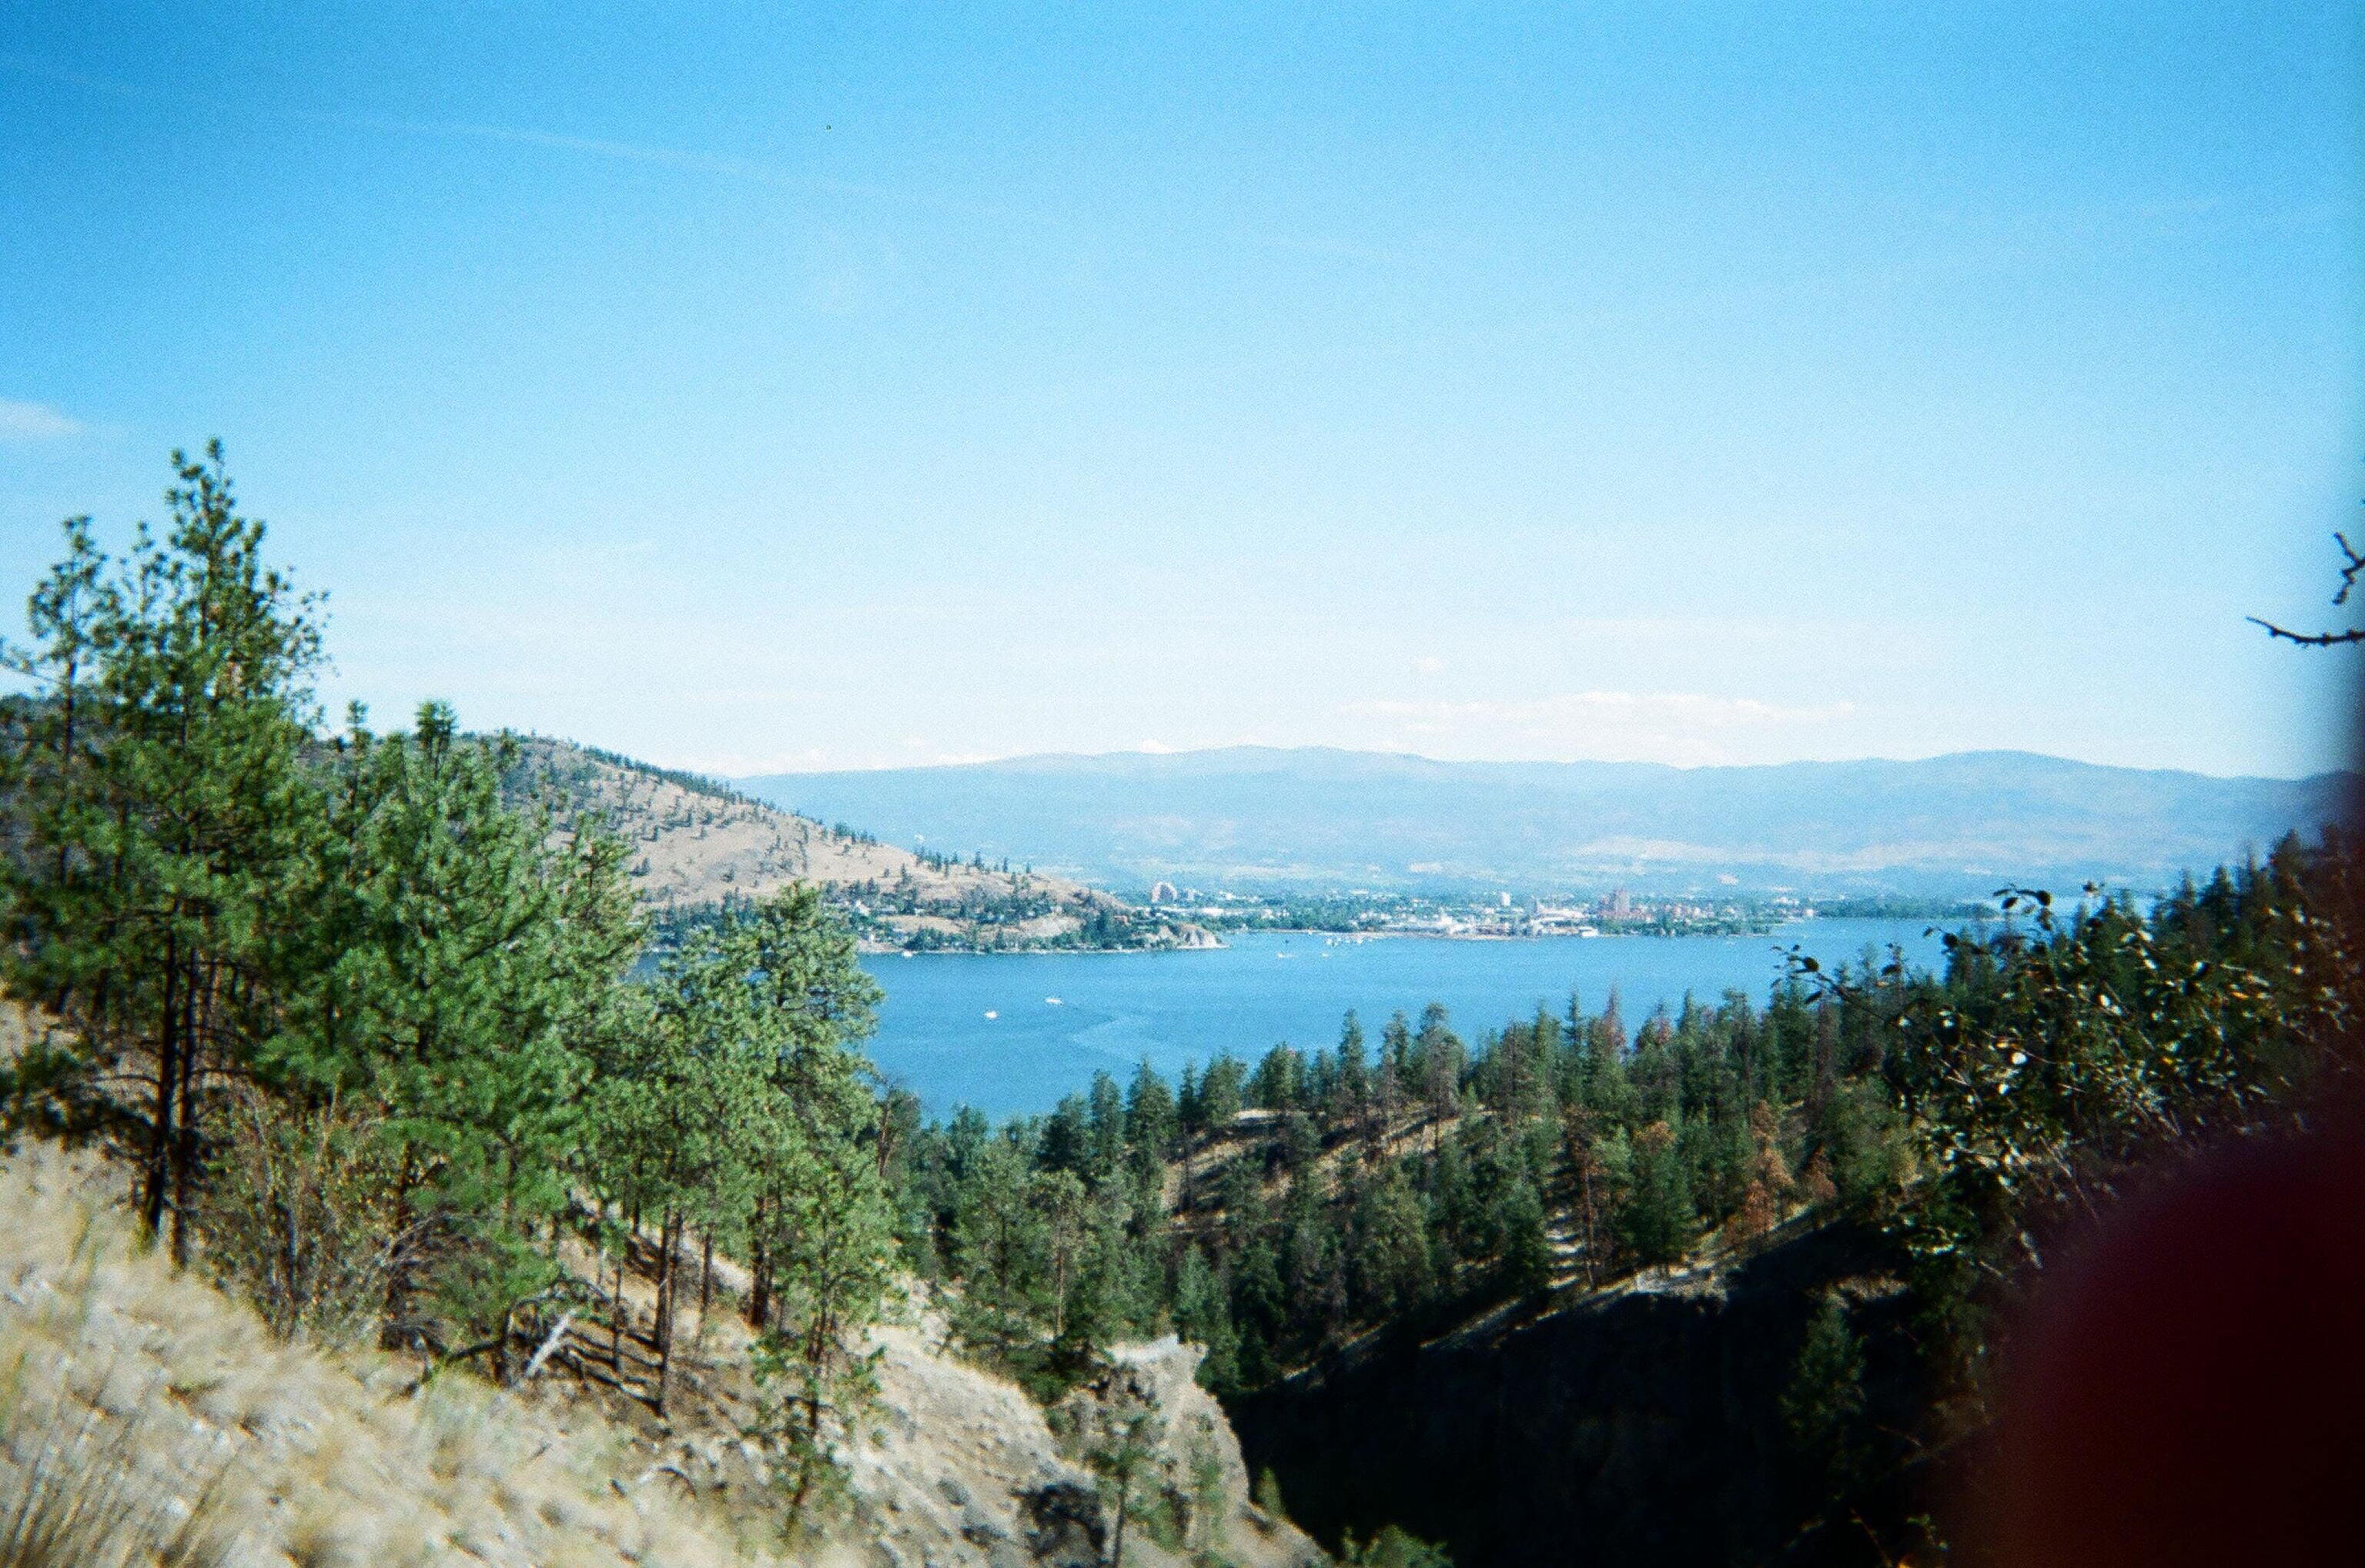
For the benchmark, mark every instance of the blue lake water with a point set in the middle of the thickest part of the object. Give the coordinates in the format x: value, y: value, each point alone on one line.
x: 985, y: 1029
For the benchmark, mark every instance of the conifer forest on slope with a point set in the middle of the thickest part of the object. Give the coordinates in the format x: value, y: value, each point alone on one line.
x: 375, y: 1041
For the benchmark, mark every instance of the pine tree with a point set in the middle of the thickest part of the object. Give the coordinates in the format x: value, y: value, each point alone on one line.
x: 819, y: 1214
x: 1439, y: 1053
x: 1279, y: 1080
x: 1659, y: 1220
x: 1393, y: 1271
x: 1107, y: 1141
x: 1152, y: 1120
x: 1523, y: 1255
x: 1453, y: 1206
x: 1354, y: 1091
x: 163, y: 809
x: 1067, y: 1136
x: 1220, y: 1093
x: 1823, y: 1403
x: 1203, y: 1317
x: 1153, y: 1130
x: 453, y: 983
x: 1001, y: 1249
x: 1395, y: 1044
x: 1258, y: 1313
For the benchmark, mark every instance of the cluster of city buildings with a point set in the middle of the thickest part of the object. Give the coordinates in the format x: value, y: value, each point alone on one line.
x: 1497, y: 914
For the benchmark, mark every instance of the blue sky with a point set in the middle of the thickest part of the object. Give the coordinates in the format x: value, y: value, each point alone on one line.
x: 753, y: 387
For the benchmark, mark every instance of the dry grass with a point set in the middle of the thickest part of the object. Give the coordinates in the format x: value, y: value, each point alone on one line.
x: 691, y: 846
x: 145, y: 1418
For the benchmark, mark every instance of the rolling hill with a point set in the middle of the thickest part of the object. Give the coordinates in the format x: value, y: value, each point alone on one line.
x: 1312, y: 819
x: 697, y: 844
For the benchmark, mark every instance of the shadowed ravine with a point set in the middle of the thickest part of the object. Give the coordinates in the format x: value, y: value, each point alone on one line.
x: 1639, y: 1427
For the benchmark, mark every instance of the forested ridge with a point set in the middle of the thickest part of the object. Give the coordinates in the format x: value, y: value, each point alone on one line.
x: 367, y: 1034
x: 1313, y: 1204
x: 375, y: 1033
x: 379, y: 1031
x: 1386, y: 1190
x: 1361, y: 1181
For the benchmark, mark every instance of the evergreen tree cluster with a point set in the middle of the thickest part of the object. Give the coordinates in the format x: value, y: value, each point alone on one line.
x: 1274, y: 1211
x: 370, y: 1038
x: 389, y: 1052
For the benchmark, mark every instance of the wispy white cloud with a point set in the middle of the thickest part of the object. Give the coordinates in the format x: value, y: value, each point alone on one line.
x: 723, y: 165
x: 34, y: 421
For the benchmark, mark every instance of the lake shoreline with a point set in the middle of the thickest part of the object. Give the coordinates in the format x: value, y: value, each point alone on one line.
x: 1220, y: 945
x: 1011, y: 1037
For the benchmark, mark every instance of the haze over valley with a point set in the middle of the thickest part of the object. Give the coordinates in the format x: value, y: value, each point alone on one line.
x: 1948, y: 827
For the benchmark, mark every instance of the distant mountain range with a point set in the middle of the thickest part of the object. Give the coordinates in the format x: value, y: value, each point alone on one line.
x: 1315, y: 819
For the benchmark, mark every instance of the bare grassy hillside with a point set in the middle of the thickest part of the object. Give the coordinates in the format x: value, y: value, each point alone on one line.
x: 147, y: 1418
x: 697, y: 844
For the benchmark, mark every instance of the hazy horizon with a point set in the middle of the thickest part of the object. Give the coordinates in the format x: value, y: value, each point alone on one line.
x: 2343, y: 766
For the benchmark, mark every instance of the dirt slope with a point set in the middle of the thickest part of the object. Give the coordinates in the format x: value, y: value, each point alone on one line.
x: 697, y: 844
x: 163, y: 1414
x: 147, y: 1418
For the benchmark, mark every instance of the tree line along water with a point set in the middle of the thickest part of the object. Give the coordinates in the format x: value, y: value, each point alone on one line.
x: 1010, y: 1033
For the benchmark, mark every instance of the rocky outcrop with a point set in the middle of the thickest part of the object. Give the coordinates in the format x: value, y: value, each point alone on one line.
x: 960, y: 1468
x: 1187, y: 1477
